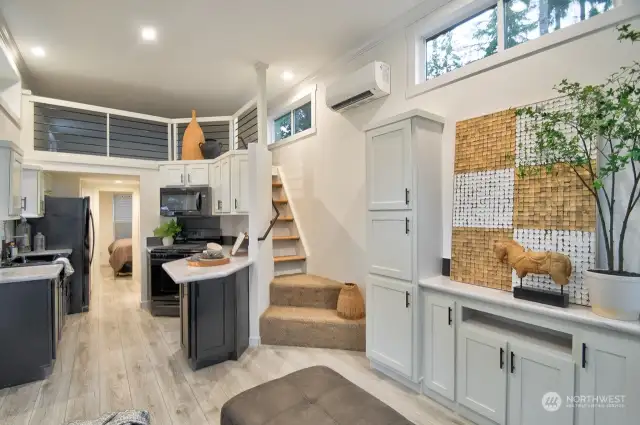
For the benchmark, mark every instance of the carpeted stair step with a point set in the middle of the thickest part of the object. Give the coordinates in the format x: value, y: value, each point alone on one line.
x: 311, y: 327
x: 303, y: 290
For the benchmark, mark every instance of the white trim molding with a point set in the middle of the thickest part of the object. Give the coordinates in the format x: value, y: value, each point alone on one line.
x: 457, y: 11
x: 302, y: 97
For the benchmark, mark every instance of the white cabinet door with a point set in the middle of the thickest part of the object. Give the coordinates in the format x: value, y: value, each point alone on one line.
x: 609, y: 367
x: 533, y: 372
x: 440, y: 345
x: 389, y: 170
x: 197, y: 175
x: 225, y: 185
x: 214, y: 172
x: 390, y: 324
x: 390, y: 244
x: 15, y: 186
x: 172, y: 175
x: 240, y: 183
x: 481, y: 372
x: 32, y: 193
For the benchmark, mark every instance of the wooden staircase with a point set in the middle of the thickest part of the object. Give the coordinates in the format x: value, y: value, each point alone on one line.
x: 288, y: 252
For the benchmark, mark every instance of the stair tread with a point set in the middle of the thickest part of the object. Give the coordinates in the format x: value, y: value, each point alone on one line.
x: 276, y: 184
x: 308, y: 314
x: 281, y: 201
x: 285, y: 218
x: 284, y: 258
x: 307, y: 280
x: 286, y: 238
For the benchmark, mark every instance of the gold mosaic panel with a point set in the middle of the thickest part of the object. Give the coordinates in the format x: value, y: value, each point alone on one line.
x: 473, y: 261
x: 554, y: 201
x: 486, y: 143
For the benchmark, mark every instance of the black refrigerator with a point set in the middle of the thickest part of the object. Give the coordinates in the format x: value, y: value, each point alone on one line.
x: 68, y: 223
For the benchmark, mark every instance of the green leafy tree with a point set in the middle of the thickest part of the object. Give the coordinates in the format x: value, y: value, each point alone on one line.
x: 605, y: 122
x: 517, y: 26
x: 443, y: 56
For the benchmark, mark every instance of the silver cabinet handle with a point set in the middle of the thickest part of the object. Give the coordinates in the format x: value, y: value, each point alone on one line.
x: 23, y: 204
x: 189, y: 177
x: 236, y: 203
x: 181, y: 178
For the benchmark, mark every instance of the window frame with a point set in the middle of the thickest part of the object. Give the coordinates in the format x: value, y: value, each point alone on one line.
x: 458, y: 11
x: 303, y: 97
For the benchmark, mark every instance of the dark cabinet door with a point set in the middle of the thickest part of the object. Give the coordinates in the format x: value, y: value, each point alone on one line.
x: 214, y: 316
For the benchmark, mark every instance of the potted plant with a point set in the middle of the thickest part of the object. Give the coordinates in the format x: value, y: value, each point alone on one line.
x: 167, y: 231
x: 602, y: 148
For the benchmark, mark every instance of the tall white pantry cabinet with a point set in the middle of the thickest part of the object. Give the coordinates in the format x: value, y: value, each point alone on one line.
x: 404, y: 235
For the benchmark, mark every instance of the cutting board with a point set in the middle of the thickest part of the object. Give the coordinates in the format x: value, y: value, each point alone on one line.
x: 209, y: 263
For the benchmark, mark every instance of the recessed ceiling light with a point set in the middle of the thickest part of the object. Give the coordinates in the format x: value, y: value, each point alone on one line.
x: 118, y: 181
x: 38, y: 52
x: 287, y: 75
x: 149, y: 34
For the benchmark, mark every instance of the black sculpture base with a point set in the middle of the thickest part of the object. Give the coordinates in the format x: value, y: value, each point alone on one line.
x: 541, y: 296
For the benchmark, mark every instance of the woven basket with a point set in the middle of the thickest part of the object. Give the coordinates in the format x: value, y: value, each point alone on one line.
x: 350, y: 302
x: 192, y: 139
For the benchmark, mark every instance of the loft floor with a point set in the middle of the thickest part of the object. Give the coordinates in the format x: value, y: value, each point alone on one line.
x: 119, y: 357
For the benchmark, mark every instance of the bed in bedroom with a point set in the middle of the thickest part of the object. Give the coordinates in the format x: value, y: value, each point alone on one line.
x: 121, y: 257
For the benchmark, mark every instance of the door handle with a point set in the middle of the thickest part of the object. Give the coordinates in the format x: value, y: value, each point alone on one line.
x: 450, y: 317
x: 406, y: 196
x: 584, y: 355
x: 23, y: 204
x: 236, y: 203
x: 406, y: 225
x: 501, y: 358
x: 406, y: 299
x: 513, y: 363
x: 181, y: 178
x: 189, y: 177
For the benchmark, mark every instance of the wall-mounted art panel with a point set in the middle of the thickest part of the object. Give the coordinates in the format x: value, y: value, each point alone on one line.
x: 543, y: 212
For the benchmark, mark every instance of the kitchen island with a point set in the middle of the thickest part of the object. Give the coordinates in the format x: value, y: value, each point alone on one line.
x: 214, y: 310
x: 30, y: 322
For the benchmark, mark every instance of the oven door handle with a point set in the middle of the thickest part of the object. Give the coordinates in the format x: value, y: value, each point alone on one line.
x: 198, y: 201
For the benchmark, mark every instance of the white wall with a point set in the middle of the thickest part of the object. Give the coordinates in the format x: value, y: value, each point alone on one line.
x: 149, y: 196
x: 105, y: 226
x: 326, y: 172
x: 65, y: 185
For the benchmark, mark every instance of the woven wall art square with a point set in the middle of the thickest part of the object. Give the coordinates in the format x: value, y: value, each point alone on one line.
x: 484, y: 199
x: 486, y: 143
x: 473, y: 260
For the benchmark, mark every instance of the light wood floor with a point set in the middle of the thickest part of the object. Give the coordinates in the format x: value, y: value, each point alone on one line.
x: 118, y: 356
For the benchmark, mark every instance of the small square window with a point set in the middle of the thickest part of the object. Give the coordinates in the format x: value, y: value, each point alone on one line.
x: 473, y: 39
x: 282, y: 127
x: 302, y: 118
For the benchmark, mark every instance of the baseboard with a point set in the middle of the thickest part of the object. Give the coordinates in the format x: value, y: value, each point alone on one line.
x: 416, y: 387
x: 145, y: 305
x: 457, y: 407
x: 254, y: 341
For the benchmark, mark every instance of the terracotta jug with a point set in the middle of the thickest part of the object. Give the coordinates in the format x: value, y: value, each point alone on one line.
x: 192, y: 139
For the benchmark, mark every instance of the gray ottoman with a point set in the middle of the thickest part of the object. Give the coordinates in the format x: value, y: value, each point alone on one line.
x: 313, y: 396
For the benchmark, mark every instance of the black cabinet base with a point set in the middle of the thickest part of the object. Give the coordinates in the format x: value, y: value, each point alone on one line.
x: 540, y: 296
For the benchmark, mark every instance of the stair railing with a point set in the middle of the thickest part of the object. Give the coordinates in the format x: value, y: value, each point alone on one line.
x: 273, y: 222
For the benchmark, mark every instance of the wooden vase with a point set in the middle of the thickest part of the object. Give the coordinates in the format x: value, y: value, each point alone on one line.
x: 350, y: 302
x: 192, y: 139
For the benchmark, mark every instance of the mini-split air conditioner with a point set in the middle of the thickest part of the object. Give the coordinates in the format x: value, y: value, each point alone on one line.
x: 370, y: 82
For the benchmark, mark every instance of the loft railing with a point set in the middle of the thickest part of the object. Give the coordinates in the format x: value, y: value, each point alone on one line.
x: 74, y: 128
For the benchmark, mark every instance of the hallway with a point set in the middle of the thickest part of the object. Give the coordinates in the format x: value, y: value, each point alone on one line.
x: 118, y: 357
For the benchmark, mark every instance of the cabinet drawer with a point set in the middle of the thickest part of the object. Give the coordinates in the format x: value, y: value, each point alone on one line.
x: 390, y: 244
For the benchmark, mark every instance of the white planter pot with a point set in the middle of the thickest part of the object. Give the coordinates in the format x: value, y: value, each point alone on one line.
x: 615, y: 297
x: 167, y: 241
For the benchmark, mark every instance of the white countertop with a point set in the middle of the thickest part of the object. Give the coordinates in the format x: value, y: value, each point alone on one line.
x: 574, y: 313
x: 24, y: 274
x: 180, y: 271
x: 66, y: 251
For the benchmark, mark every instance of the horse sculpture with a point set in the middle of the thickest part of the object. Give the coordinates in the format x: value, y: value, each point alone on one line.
x: 557, y: 265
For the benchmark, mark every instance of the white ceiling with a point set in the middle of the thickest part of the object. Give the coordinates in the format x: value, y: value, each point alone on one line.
x: 205, y: 51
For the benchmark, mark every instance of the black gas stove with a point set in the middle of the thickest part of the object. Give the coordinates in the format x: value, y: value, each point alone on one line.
x: 165, y: 299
